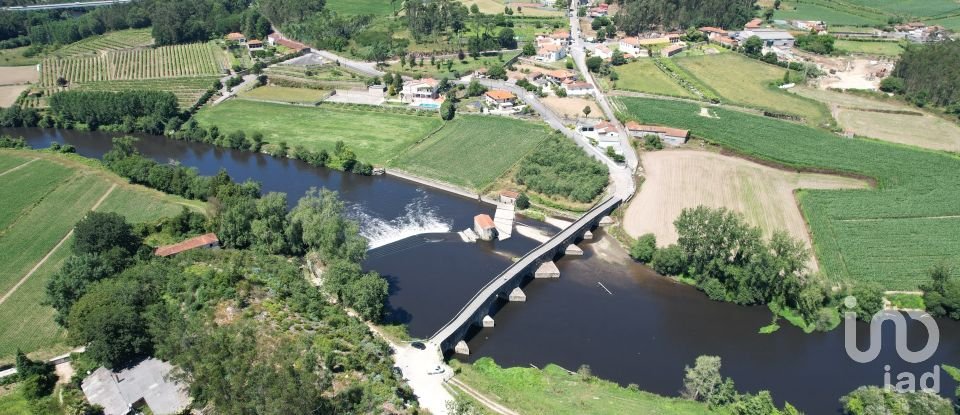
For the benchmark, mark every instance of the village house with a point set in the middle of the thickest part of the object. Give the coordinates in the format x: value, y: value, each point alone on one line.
x: 236, y: 37
x: 147, y: 387
x: 671, y: 50
x: 603, y: 51
x: 602, y: 132
x: 770, y: 38
x: 500, y: 99
x: 576, y: 88
x: 753, y: 24
x: 203, y: 241
x: 550, y: 52
x: 919, y: 32
x: 631, y: 45
x: 254, y: 44
x: 713, y: 33
x: 484, y: 227
x: 808, y: 25
x: 669, y: 136
x: 601, y: 10
x: 416, y: 91
x: 559, y: 76
x: 277, y: 39
x: 727, y: 41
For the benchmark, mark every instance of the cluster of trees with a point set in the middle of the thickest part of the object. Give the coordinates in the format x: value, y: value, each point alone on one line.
x: 17, y: 116
x: 636, y: 16
x: 64, y: 26
x: 179, y: 21
x: 941, y: 295
x: 96, y: 108
x: 558, y: 168
x: 426, y: 18
x: 703, y: 382
x: 329, y: 30
x: 7, y: 141
x: 276, y: 350
x: 605, y: 27
x: 874, y: 400
x: 819, y: 44
x: 928, y: 74
x: 281, y: 12
x: 729, y: 260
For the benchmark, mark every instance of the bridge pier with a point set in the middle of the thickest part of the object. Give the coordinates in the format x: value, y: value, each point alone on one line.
x: 517, y: 295
x: 573, y: 250
x: 588, y: 236
x: 547, y: 270
x: 606, y: 221
x: 462, y: 348
x: 487, y: 321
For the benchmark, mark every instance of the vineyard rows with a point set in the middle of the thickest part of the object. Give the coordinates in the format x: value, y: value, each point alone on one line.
x: 197, y: 59
x: 188, y: 90
x: 124, y: 39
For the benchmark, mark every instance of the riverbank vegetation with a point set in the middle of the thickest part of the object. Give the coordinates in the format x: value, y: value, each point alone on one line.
x: 48, y: 193
x: 559, y: 169
x: 870, y: 400
x: 911, y: 216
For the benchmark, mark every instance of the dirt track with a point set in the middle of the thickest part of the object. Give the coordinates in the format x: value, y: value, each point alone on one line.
x: 686, y: 178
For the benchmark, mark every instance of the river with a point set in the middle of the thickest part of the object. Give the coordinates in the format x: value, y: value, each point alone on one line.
x: 624, y: 321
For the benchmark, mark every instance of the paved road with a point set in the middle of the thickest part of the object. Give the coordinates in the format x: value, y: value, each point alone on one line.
x: 366, y: 68
x: 72, y: 5
x: 227, y: 93
x: 580, y: 58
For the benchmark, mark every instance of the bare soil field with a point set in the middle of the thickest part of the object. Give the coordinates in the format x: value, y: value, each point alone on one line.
x: 888, y: 120
x: 15, y: 75
x: 572, y: 107
x: 686, y: 178
x: 9, y: 94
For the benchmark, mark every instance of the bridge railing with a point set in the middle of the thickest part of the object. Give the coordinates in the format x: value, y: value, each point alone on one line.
x: 535, y: 253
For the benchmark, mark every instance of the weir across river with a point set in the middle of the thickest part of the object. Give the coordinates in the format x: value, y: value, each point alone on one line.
x: 506, y: 286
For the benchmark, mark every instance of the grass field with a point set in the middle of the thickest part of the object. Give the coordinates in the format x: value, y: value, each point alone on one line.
x: 890, y: 235
x: 472, y: 151
x: 555, y: 391
x: 915, y: 8
x: 829, y: 12
x: 374, y: 136
x: 910, y: 125
x: 14, y: 57
x: 357, y: 7
x: 869, y: 48
x: 748, y: 82
x: 680, y: 179
x: 644, y: 76
x: 496, y: 7
x: 870, y: 12
x: 284, y: 94
x: 462, y: 67
x: 12, y: 401
x: 48, y: 196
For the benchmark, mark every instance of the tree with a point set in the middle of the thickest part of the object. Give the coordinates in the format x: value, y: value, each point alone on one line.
x: 768, y: 15
x: 317, y: 224
x: 892, y: 84
x: 873, y: 400
x: 529, y: 49
x: 367, y: 295
x: 269, y: 227
x: 475, y: 89
x: 100, y: 232
x: 941, y: 295
x: 759, y: 404
x: 753, y: 46
x: 776, y: 4
x: 669, y: 261
x: 702, y: 380
x: 644, y: 248
x: 507, y: 38
x: 618, y: 59
x: 586, y: 111
x: 522, y: 201
x: 71, y: 281
x: 869, y: 300
x: 652, y: 142
x: 594, y: 63
x: 107, y: 319
x: 447, y: 110
x: 497, y: 72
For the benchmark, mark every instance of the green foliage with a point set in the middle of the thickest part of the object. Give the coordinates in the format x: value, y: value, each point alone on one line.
x: 594, y: 63
x: 929, y: 73
x: 819, y: 44
x: 652, y: 142
x: 869, y: 300
x: 522, y: 201
x: 909, y: 213
x: 71, y: 282
x: 637, y: 16
x: 892, y: 84
x: 318, y: 224
x: 108, y: 320
x: 668, y: 260
x: 103, y: 232
x: 559, y: 168
x: 447, y: 110
x: 102, y: 107
x: 941, y: 294
x: 644, y: 248
x: 873, y: 400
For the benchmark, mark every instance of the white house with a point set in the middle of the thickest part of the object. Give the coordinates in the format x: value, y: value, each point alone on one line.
x: 631, y: 45
x: 415, y: 91
x: 669, y: 136
x: 500, y: 99
x: 550, y: 52
x: 576, y: 88
x: 603, y: 51
x: 604, y: 131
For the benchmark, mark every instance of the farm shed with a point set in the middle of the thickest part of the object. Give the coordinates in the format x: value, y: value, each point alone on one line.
x: 669, y: 136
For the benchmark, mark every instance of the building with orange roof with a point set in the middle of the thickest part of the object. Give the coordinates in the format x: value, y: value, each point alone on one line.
x: 500, y: 98
x: 668, y: 135
x: 236, y: 37
x: 484, y: 226
x: 753, y: 24
x: 209, y: 240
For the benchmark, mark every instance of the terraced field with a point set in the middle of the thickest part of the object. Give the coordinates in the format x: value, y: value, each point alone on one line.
x: 890, y: 235
x: 464, y: 152
x: 188, y: 90
x: 43, y: 199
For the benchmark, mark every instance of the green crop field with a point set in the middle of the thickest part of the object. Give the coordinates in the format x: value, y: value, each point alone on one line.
x: 914, y: 8
x: 744, y: 81
x: 829, y: 12
x: 890, y: 235
x: 375, y: 135
x: 47, y: 197
x: 14, y: 57
x: 188, y: 90
x: 357, y: 7
x: 473, y: 151
x: 869, y: 48
x: 644, y: 76
x: 284, y: 94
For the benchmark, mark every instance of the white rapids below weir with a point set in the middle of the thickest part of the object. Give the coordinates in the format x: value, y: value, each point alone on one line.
x: 418, y: 218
